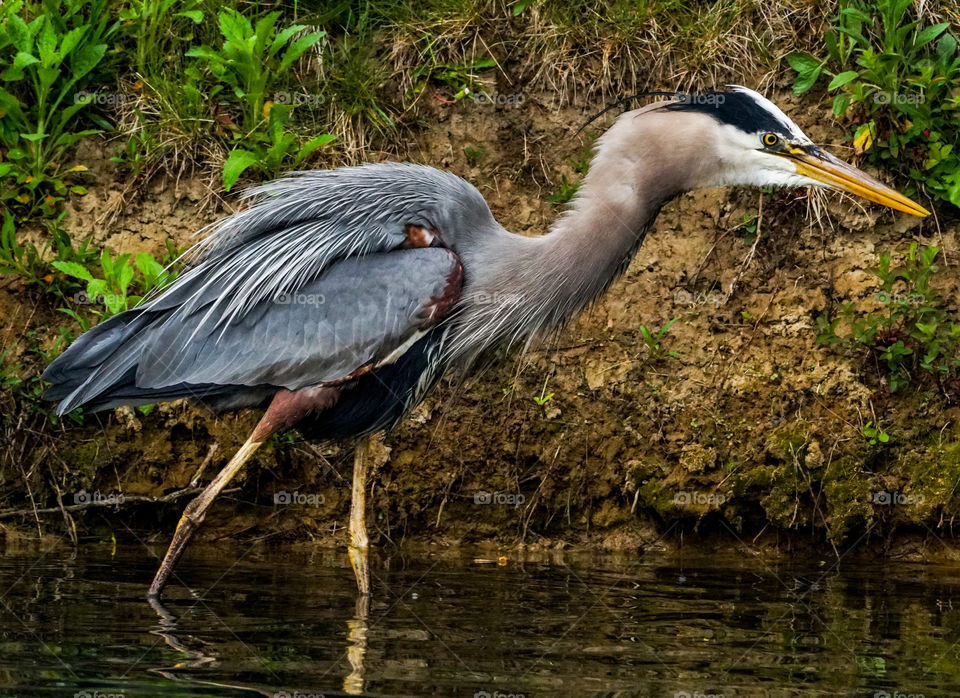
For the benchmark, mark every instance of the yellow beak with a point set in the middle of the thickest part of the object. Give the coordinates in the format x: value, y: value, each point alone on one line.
x: 822, y: 166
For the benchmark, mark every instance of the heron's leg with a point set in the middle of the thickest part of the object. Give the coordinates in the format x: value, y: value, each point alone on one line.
x: 196, y: 510
x: 286, y: 409
x: 358, y: 516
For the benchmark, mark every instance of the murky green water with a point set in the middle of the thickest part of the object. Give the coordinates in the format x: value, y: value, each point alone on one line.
x: 288, y: 623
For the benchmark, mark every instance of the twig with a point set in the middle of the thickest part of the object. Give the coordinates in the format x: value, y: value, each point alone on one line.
x: 750, y: 254
x: 110, y: 501
x: 194, y: 481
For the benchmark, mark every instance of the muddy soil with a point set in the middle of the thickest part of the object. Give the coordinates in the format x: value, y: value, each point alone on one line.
x: 746, y: 430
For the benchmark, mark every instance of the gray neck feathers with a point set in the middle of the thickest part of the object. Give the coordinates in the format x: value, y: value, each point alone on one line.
x: 518, y: 288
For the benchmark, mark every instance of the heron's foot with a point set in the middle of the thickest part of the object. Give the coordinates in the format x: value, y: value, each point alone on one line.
x: 196, y: 511
x: 188, y: 524
x: 360, y: 561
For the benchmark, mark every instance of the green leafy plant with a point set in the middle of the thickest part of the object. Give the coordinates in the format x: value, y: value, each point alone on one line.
x: 278, y: 149
x: 566, y: 192
x: 30, y: 264
x: 653, y: 339
x: 749, y: 227
x: 898, y: 82
x: 520, y: 6
x: 47, y: 54
x: 134, y: 155
x: 125, y: 280
x: 474, y: 155
x: 874, y: 434
x: 250, y: 62
x: 542, y: 399
x: 252, y: 58
x: 912, y: 332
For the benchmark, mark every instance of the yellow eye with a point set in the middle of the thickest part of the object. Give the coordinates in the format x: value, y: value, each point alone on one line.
x: 770, y: 139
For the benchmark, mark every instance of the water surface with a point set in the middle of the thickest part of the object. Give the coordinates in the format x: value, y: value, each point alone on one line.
x: 287, y: 622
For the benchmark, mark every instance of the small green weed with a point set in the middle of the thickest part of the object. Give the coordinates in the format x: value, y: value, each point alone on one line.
x: 581, y: 165
x: 566, y: 192
x: 749, y: 228
x: 26, y: 393
x: 653, y: 339
x: 912, y: 334
x: 460, y: 79
x: 874, y: 434
x: 474, y: 155
x: 149, y: 23
x: 542, y: 399
x: 30, y: 264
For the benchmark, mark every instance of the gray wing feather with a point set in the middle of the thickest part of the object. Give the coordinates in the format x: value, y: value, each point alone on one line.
x: 296, y: 231
x: 299, y: 225
x: 358, y: 312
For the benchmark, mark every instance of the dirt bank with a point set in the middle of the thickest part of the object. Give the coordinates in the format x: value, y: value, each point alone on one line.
x: 752, y: 428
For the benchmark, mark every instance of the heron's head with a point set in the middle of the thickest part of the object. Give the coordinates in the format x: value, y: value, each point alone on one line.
x: 748, y: 141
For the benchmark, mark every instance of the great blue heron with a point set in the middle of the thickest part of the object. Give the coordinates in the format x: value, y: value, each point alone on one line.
x: 339, y: 298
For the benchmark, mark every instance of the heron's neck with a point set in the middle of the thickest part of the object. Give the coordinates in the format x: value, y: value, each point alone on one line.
x: 591, y: 244
x: 523, y: 286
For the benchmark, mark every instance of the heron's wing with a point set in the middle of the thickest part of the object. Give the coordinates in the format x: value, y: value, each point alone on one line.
x: 361, y: 312
x: 294, y: 235
x: 297, y: 226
